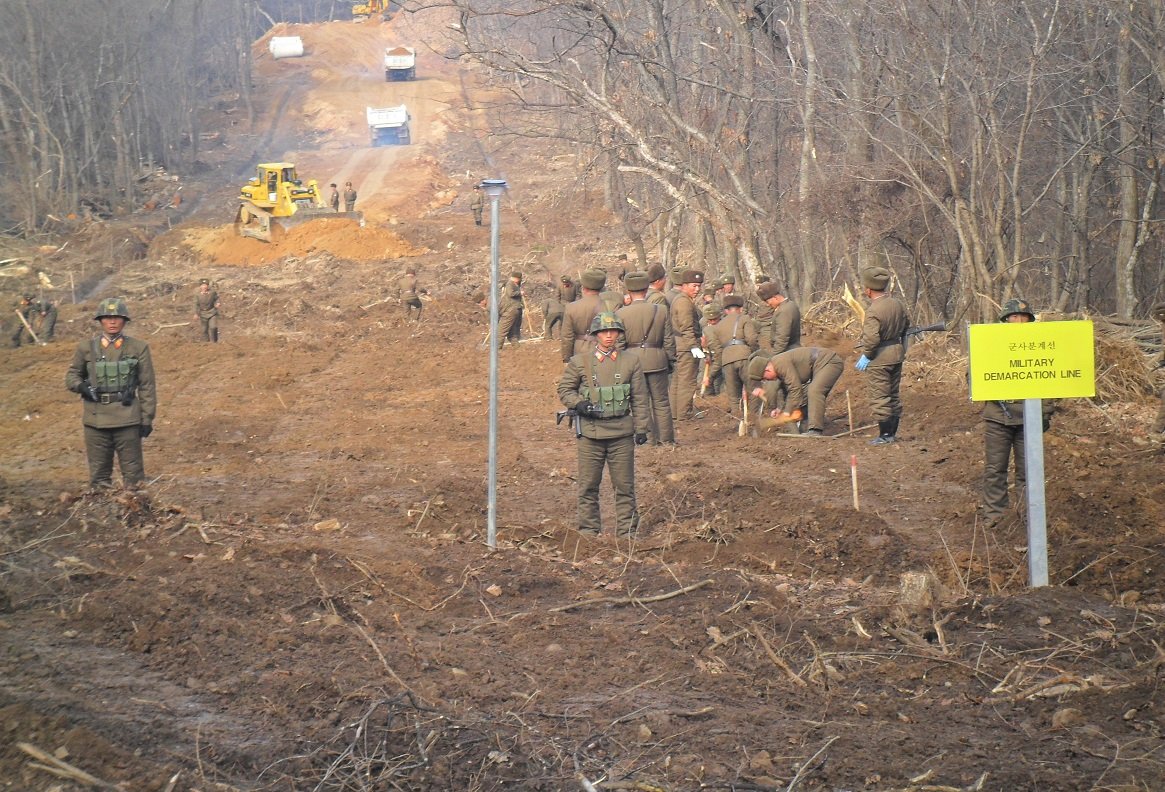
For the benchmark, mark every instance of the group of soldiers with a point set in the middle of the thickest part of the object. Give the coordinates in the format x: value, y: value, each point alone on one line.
x: 636, y: 361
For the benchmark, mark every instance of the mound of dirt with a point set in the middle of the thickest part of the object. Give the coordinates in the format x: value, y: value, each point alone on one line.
x: 341, y: 237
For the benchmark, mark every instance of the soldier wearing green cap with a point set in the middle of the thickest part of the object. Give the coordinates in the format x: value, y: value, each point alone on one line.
x: 647, y: 334
x: 510, y: 303
x: 784, y: 323
x: 607, y: 389
x: 1158, y: 313
x: 114, y: 375
x: 659, y: 293
x: 577, y: 318
x: 685, y: 325
x: 206, y: 305
x: 1003, y: 433
x: 730, y: 342
x: 883, y: 351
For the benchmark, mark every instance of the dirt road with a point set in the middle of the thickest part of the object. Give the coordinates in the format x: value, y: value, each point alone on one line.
x: 303, y: 600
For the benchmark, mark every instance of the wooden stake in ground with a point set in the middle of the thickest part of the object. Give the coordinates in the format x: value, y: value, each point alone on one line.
x: 27, y: 327
x: 853, y: 478
x: 742, y: 429
x: 849, y: 408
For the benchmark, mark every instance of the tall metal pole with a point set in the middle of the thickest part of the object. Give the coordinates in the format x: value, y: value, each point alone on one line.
x: 1037, y: 513
x: 494, y: 189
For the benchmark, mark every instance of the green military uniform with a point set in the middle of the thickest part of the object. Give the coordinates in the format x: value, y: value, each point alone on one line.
x: 1003, y: 437
x: 349, y: 197
x: 648, y: 335
x: 657, y: 296
x: 883, y: 352
x: 20, y: 335
x: 805, y: 377
x: 554, y: 306
x: 477, y: 205
x: 567, y: 291
x: 730, y: 342
x: 206, y: 309
x: 710, y: 316
x: 510, y: 310
x: 610, y: 393
x: 409, y: 293
x: 685, y: 325
x: 611, y: 299
x: 115, y: 377
x: 43, y: 318
x: 1158, y: 313
x: 578, y: 315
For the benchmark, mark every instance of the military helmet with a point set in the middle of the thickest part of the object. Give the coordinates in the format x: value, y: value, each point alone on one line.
x: 112, y: 306
x: 1016, y: 306
x: 607, y: 321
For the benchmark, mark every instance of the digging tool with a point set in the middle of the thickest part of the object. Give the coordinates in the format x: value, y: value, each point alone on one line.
x: 768, y: 422
x: 28, y: 327
x: 742, y: 428
x: 853, y: 477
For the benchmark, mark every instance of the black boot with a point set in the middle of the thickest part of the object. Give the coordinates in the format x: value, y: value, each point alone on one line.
x: 885, y: 432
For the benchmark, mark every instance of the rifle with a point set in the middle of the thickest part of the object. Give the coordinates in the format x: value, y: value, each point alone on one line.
x: 575, y: 420
x: 912, y: 333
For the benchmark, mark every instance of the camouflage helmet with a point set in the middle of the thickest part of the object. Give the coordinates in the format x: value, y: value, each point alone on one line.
x: 1016, y: 306
x: 112, y: 306
x: 607, y: 321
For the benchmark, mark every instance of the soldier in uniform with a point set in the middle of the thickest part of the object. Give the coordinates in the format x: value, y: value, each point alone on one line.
x: 727, y: 287
x: 567, y: 291
x: 206, y: 304
x: 510, y: 304
x: 334, y: 198
x: 883, y: 352
x: 658, y: 294
x: 409, y: 293
x: 785, y: 323
x: 23, y: 308
x: 685, y: 325
x: 797, y: 382
x: 349, y: 197
x: 114, y: 375
x: 44, y: 318
x: 607, y: 389
x: 1158, y: 313
x: 730, y: 342
x: 477, y: 204
x: 647, y: 334
x: 577, y: 318
x: 1003, y: 434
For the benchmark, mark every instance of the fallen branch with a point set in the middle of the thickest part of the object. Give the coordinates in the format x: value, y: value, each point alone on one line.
x: 168, y: 326
x: 632, y: 600
x: 778, y: 661
x: 60, y: 768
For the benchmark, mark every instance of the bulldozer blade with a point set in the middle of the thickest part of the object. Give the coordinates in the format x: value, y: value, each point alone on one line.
x: 250, y: 221
x: 307, y: 215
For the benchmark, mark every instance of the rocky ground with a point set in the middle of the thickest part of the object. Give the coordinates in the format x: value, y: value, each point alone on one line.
x: 303, y: 599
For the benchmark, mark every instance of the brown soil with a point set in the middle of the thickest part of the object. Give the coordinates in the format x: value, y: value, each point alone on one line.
x: 303, y: 598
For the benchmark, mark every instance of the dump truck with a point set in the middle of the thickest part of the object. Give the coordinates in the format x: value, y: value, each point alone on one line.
x: 388, y: 126
x: 366, y: 9
x: 400, y: 63
x: 277, y: 198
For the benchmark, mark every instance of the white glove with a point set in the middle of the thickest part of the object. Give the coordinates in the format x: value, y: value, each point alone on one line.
x: 697, y: 353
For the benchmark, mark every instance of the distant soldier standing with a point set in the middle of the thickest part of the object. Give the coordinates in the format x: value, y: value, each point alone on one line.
x: 206, y: 305
x: 647, y: 333
x: 349, y: 197
x: 409, y: 293
x: 1003, y: 434
x: 577, y: 317
x: 510, y: 310
x: 334, y: 199
x: 883, y: 352
x: 785, y: 324
x: 567, y: 291
x: 477, y: 204
x: 658, y: 294
x: 608, y: 390
x: 115, y: 377
x: 44, y: 318
x: 730, y: 342
x: 685, y: 325
x: 1158, y: 313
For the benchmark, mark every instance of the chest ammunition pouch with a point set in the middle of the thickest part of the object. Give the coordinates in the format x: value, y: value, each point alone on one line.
x: 612, y: 401
x: 115, y: 380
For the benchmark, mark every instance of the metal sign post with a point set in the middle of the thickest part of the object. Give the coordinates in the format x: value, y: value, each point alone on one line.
x: 494, y: 189
x: 1033, y: 361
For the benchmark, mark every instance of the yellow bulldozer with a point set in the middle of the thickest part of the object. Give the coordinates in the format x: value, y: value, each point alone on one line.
x: 362, y: 11
x: 277, y: 197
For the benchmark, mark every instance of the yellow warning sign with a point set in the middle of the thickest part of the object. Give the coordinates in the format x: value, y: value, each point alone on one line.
x: 1032, y: 360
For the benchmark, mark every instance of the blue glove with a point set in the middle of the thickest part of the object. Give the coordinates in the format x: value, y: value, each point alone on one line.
x: 863, y: 361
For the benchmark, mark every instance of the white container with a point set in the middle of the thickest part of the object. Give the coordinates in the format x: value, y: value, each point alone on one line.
x: 285, y: 47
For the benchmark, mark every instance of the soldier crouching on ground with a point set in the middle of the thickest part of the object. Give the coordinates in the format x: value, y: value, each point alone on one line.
x: 115, y: 377
x: 797, y: 383
x: 1003, y: 434
x: 608, y: 392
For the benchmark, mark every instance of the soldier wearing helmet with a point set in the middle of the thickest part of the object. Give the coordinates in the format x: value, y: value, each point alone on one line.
x: 606, y: 387
x: 114, y: 376
x: 1003, y: 433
